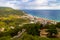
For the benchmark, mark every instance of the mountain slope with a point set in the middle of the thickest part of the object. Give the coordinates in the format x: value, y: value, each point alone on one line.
x: 9, y: 11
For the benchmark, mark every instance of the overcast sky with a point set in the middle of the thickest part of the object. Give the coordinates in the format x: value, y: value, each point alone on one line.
x: 31, y: 4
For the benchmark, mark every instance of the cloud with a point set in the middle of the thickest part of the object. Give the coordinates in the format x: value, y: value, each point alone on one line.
x: 31, y: 4
x: 42, y: 4
x: 25, y: 0
x: 10, y: 3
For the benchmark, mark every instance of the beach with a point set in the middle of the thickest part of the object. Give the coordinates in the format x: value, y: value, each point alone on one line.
x: 45, y: 14
x: 35, y: 19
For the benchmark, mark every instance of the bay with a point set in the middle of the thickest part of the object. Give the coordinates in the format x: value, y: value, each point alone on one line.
x: 48, y: 14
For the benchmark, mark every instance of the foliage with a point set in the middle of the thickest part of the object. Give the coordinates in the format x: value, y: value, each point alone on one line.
x: 5, y: 38
x: 33, y: 29
x: 52, y: 31
x: 4, y: 11
x: 58, y: 25
x: 11, y: 18
x: 30, y: 37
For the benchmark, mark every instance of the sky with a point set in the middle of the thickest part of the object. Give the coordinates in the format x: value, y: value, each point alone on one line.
x: 31, y: 4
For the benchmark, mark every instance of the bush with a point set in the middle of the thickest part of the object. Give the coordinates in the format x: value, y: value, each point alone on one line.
x: 5, y: 38
x: 32, y: 29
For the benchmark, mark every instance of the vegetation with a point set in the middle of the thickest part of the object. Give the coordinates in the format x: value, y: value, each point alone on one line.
x: 11, y: 23
x: 4, y: 11
x: 52, y: 31
x: 30, y: 37
x: 58, y: 25
x: 33, y: 29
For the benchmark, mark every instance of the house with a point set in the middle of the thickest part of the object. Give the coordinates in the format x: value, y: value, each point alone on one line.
x: 58, y: 30
x: 43, y: 33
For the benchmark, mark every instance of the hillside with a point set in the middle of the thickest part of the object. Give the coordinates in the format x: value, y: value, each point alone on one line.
x: 4, y: 11
x: 11, y: 17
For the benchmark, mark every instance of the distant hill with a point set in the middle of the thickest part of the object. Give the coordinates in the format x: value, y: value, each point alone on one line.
x: 8, y: 11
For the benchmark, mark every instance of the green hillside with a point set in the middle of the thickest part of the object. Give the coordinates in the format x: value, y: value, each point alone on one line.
x: 9, y: 14
x: 8, y: 11
x: 15, y: 25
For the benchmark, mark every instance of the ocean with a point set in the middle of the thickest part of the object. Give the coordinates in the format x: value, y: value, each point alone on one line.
x: 47, y: 14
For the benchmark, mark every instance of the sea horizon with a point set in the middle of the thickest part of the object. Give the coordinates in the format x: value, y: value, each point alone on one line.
x: 46, y: 14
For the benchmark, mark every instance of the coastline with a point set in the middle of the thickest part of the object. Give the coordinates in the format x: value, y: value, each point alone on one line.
x: 43, y: 19
x: 52, y: 15
x: 40, y: 19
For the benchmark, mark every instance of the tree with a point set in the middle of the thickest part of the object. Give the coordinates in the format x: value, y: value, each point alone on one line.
x: 52, y: 31
x: 58, y: 25
x: 33, y: 29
